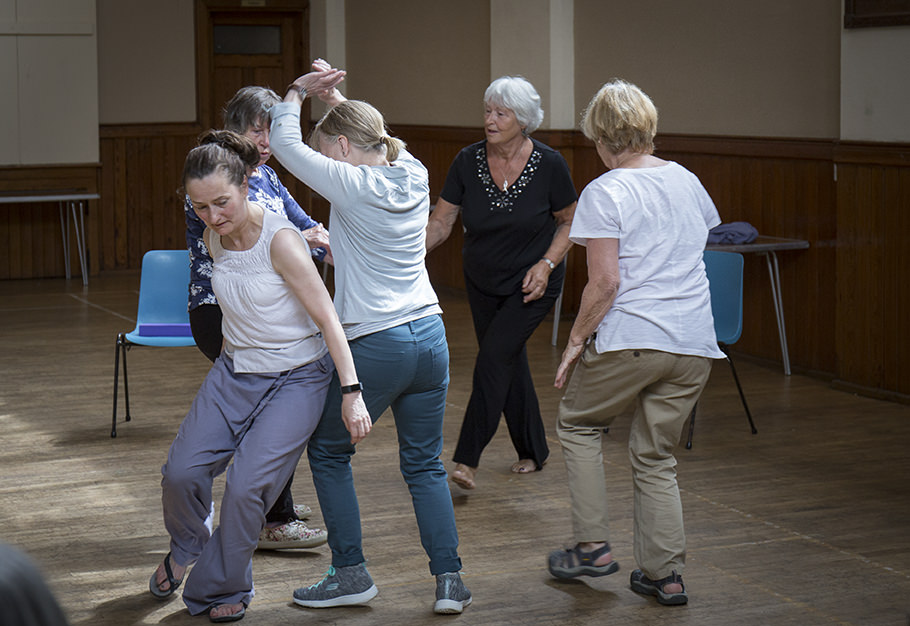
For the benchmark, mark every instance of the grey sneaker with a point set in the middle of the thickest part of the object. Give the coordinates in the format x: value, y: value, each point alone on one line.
x: 343, y: 586
x: 451, y: 594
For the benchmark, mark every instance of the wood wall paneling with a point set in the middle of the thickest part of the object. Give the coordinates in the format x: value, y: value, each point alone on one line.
x: 140, y: 178
x: 31, y: 233
x: 873, y: 258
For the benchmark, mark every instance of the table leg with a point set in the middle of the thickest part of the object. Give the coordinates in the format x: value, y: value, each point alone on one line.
x: 79, y: 219
x: 76, y: 209
x: 774, y: 275
x: 65, y: 231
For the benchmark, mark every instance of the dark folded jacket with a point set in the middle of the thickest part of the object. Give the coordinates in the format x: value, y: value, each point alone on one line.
x: 734, y: 232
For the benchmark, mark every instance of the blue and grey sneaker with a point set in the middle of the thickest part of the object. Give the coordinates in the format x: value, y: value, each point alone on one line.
x: 342, y: 586
x: 451, y: 594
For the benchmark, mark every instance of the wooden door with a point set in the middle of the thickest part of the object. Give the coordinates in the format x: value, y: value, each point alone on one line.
x: 239, y: 45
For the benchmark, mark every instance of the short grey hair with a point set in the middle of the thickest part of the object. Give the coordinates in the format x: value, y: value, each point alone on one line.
x: 518, y: 94
x: 249, y: 108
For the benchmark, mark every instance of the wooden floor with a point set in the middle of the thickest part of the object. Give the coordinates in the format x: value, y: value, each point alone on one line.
x: 806, y: 523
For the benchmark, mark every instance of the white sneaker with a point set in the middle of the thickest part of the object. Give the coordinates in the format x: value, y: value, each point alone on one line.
x: 292, y: 535
x: 302, y: 511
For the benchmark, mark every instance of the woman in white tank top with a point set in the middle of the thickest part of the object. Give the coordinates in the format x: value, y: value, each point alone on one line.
x: 262, y: 399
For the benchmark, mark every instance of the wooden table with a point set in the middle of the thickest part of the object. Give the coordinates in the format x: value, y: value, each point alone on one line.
x: 768, y: 247
x: 70, y: 204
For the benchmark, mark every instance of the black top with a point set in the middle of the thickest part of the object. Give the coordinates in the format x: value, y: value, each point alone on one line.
x: 506, y: 232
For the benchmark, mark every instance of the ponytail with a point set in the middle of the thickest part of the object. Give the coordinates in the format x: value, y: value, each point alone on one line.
x: 363, y: 126
x: 391, y: 146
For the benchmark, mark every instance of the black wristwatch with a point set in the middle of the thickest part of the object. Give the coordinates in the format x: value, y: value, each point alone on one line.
x: 352, y: 388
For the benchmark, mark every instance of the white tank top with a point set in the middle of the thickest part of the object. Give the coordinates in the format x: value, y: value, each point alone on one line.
x: 265, y: 326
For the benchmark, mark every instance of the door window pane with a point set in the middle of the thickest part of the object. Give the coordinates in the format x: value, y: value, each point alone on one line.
x: 238, y: 39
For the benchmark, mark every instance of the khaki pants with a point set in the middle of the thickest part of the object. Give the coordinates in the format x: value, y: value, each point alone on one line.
x: 663, y: 387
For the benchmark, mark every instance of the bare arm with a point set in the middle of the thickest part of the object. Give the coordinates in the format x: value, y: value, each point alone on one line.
x: 439, y: 226
x: 538, y: 276
x: 291, y: 259
x: 596, y: 300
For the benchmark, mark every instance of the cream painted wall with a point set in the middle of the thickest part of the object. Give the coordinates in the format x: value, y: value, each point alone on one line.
x: 420, y: 62
x: 875, y: 75
x: 719, y: 67
x: 146, y: 61
x: 48, y: 68
x: 58, y: 107
x: 520, y: 42
x: 536, y: 39
x: 723, y: 67
x: 327, y: 40
x: 9, y: 101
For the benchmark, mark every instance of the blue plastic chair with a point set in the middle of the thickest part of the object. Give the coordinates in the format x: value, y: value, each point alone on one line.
x: 725, y: 281
x: 162, y: 319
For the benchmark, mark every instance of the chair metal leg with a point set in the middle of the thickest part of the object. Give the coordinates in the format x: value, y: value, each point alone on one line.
x: 116, y: 376
x: 121, y: 347
x: 691, y: 426
x: 739, y: 388
x: 126, y: 385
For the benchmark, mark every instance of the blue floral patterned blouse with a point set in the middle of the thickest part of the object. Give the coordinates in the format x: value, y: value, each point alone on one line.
x: 265, y: 190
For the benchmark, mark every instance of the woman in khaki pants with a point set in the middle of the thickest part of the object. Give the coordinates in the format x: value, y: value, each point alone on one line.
x: 644, y: 336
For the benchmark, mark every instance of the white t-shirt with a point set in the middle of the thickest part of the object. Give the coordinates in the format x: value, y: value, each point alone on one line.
x: 661, y: 217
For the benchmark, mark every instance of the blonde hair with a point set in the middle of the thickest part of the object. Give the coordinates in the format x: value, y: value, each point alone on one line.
x: 621, y: 116
x: 363, y: 126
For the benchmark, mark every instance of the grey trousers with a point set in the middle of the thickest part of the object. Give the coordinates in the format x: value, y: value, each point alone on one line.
x: 662, y: 387
x: 263, y: 423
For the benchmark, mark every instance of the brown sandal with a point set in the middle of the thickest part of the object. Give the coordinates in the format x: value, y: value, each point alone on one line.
x: 575, y: 562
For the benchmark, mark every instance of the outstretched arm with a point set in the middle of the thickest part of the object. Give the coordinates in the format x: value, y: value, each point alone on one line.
x: 291, y: 259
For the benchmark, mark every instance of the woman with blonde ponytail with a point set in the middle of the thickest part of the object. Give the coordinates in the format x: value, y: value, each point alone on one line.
x: 380, y: 197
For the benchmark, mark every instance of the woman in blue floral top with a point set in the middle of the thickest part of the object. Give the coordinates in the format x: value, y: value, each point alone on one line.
x: 247, y: 114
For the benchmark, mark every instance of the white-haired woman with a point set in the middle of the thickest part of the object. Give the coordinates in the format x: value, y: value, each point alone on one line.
x: 516, y: 198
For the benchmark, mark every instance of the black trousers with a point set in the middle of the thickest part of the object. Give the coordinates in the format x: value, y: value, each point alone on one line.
x: 502, y: 378
x: 205, y: 323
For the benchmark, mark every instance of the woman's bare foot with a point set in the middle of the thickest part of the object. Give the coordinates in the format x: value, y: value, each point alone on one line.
x: 224, y: 612
x: 463, y: 475
x: 161, y: 575
x: 524, y: 466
